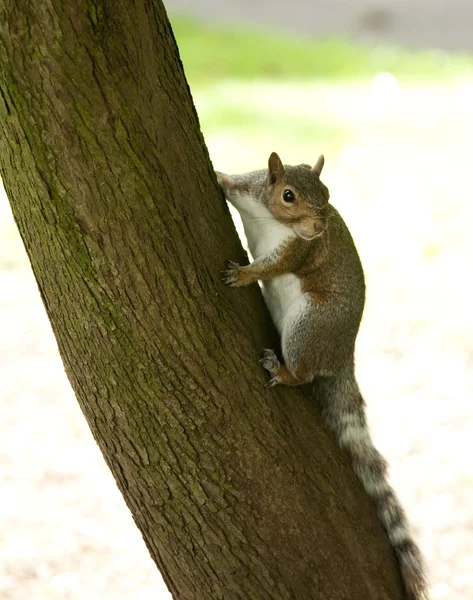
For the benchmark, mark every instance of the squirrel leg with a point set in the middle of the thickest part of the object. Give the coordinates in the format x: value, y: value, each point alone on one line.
x: 280, y: 374
x: 262, y: 268
x: 235, y: 275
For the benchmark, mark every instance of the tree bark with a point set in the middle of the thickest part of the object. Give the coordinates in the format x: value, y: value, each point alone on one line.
x: 237, y: 489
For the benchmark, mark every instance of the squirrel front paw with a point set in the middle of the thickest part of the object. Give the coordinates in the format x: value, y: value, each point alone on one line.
x: 235, y: 275
x: 270, y: 362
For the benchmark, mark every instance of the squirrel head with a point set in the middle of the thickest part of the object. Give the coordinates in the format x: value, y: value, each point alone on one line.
x: 296, y: 197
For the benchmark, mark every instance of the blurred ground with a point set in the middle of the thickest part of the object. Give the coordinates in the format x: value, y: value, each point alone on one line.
x: 398, y: 164
x: 415, y: 23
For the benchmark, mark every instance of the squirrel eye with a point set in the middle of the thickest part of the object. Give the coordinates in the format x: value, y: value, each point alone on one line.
x: 288, y: 196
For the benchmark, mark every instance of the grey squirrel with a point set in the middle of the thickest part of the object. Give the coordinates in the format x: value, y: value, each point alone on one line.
x: 314, y: 287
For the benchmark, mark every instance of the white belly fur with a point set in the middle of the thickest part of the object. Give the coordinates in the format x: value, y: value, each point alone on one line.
x: 285, y: 300
x: 282, y: 294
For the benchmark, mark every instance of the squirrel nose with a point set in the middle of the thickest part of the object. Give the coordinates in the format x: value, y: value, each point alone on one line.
x: 320, y: 225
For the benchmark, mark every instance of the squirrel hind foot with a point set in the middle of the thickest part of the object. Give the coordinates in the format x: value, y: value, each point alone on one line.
x: 269, y: 360
x: 280, y: 374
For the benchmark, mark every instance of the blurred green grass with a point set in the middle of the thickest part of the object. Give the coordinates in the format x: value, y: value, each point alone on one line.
x: 385, y: 117
x: 214, y: 52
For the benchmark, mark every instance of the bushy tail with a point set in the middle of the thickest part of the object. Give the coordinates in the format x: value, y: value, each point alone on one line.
x: 344, y: 413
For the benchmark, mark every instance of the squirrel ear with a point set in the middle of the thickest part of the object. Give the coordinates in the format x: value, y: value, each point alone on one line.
x: 319, y: 165
x: 276, y: 169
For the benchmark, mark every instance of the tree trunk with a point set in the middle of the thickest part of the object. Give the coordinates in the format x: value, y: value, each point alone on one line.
x: 237, y: 489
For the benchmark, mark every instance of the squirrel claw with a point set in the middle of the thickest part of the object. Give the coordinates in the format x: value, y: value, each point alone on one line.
x: 230, y: 274
x: 228, y: 280
x: 270, y: 362
x: 230, y: 264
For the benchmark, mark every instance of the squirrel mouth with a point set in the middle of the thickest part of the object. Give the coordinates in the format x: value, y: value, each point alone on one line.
x: 310, y: 237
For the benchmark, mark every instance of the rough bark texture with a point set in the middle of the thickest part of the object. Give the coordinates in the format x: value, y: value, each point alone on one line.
x: 237, y: 489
